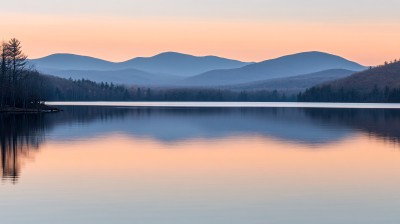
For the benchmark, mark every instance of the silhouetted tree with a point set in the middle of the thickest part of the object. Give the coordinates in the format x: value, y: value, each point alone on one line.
x: 3, y: 71
x: 18, y: 61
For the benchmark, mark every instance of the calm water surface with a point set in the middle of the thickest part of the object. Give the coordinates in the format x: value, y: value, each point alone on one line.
x: 138, y: 164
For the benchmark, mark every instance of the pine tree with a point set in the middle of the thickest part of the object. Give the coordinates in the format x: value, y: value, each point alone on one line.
x: 18, y: 61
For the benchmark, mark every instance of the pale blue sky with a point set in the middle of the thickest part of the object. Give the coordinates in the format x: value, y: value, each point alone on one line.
x: 283, y: 10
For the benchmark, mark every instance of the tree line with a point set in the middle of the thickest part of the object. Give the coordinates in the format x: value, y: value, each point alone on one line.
x: 326, y: 93
x: 58, y: 89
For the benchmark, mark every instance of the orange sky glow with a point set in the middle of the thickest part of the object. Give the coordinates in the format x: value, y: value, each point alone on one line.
x: 120, y: 38
x: 217, y: 162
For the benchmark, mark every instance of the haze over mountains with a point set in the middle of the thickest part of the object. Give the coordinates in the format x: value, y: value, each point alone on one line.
x: 286, y: 66
x: 183, y: 65
x: 123, y: 76
x: 176, y: 69
x: 171, y: 63
x: 295, y: 84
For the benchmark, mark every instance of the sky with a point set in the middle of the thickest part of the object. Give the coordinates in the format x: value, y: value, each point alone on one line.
x: 366, y: 31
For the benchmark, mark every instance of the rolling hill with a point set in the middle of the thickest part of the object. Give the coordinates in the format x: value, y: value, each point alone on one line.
x: 171, y: 63
x: 291, y: 65
x: 71, y: 62
x: 375, y: 85
x: 176, y: 69
x: 380, y: 77
x: 295, y: 84
x: 181, y: 64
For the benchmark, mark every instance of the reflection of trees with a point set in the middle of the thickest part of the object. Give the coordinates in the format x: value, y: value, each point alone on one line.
x: 382, y: 123
x: 20, y: 136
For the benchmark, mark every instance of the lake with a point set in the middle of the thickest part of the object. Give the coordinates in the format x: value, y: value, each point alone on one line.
x: 202, y: 163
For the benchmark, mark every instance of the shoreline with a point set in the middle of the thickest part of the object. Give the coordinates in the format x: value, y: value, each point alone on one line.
x: 191, y: 104
x: 41, y: 109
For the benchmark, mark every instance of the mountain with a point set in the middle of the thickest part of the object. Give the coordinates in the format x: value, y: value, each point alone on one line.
x: 124, y: 76
x: 295, y: 84
x: 71, y: 62
x: 286, y: 66
x: 166, y: 63
x: 181, y: 64
x: 380, y: 77
x: 178, y: 69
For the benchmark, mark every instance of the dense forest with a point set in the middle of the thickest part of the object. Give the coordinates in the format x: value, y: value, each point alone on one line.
x: 326, y: 93
x: 379, y: 84
x: 58, y: 89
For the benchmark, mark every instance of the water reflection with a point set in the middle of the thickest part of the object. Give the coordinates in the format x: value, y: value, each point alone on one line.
x: 384, y: 124
x: 21, y: 135
x: 180, y: 124
x: 299, y: 125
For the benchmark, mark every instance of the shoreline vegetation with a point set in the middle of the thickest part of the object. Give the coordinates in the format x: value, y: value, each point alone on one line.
x: 40, y: 108
x: 19, y: 85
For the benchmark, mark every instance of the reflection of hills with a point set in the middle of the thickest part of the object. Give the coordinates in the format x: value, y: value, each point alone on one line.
x: 20, y: 135
x: 307, y: 126
x: 178, y: 124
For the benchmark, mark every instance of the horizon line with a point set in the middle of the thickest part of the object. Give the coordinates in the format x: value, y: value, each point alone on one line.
x: 193, y: 55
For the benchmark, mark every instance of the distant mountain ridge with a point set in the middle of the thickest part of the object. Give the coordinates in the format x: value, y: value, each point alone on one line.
x: 286, y: 66
x: 181, y: 64
x: 177, y: 69
x: 170, y: 63
x: 295, y: 84
x: 71, y: 62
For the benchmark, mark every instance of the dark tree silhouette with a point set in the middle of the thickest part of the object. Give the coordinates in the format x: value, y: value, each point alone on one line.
x: 19, y: 86
x: 17, y: 61
x: 3, y: 71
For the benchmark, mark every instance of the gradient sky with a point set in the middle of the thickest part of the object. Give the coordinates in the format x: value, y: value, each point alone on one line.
x: 367, y: 31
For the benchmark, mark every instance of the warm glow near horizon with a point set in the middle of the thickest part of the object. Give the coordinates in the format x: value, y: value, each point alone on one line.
x: 238, y: 31
x: 218, y: 161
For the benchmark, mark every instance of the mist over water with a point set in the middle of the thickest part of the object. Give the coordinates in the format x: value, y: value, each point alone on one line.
x: 95, y: 164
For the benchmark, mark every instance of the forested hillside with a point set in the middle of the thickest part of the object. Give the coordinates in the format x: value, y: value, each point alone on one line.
x: 377, y: 84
